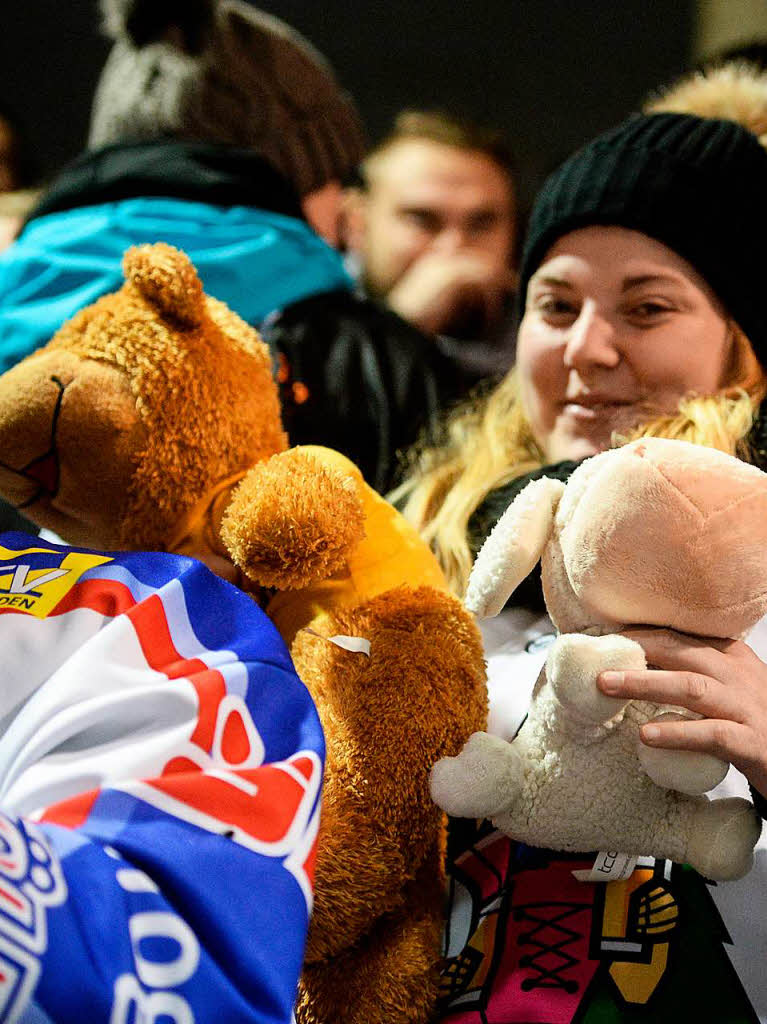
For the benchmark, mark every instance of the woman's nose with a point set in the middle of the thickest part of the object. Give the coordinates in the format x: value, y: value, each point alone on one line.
x: 591, y: 340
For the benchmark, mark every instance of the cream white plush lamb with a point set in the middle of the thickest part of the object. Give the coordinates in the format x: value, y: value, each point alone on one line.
x: 659, y: 533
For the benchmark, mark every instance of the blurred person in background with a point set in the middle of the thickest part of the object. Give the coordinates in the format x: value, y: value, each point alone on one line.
x: 18, y: 166
x: 17, y: 197
x: 430, y: 236
x: 214, y: 127
x: 217, y: 128
x: 432, y: 232
x: 15, y: 206
x: 9, y: 155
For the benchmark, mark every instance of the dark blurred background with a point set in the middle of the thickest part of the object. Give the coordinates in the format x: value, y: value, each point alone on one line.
x: 549, y: 73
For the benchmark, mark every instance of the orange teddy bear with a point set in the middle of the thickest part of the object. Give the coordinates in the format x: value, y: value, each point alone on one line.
x: 152, y: 420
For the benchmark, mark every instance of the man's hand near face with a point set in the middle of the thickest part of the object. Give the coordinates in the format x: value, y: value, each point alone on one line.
x: 433, y: 230
x: 443, y: 292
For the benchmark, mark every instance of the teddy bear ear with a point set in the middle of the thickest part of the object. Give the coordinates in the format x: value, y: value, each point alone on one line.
x: 166, y: 278
x: 514, y: 545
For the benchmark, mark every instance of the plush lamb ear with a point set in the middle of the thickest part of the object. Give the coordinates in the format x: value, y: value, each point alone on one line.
x: 514, y: 546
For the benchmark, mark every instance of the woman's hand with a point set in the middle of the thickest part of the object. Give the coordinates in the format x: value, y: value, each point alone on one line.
x: 723, y: 680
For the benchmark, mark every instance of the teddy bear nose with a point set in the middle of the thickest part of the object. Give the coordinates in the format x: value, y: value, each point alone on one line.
x: 44, y: 470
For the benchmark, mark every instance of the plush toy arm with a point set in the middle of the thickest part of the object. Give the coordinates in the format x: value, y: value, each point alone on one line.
x: 387, y: 718
x: 722, y: 837
x: 481, y: 781
x: 686, y: 771
x: 292, y: 521
x: 572, y: 667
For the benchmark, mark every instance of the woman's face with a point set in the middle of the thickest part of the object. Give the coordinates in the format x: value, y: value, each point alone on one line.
x: 617, y: 329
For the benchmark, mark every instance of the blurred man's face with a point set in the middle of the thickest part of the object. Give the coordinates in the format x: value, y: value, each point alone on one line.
x: 425, y: 197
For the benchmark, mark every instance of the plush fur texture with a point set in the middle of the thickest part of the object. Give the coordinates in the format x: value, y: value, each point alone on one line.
x: 380, y: 803
x: 659, y: 533
x: 152, y: 420
x: 259, y: 527
x: 184, y: 359
x: 737, y: 92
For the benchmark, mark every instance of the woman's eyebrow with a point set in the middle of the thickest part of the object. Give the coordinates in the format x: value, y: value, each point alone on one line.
x: 656, y: 278
x: 551, y: 279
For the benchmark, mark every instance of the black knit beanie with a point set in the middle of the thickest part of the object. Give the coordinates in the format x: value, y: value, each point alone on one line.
x: 224, y: 71
x: 698, y: 185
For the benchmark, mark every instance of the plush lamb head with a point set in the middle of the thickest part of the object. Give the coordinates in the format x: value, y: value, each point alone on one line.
x: 658, y: 533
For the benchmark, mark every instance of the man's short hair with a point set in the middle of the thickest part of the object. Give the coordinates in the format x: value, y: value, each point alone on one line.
x: 447, y: 130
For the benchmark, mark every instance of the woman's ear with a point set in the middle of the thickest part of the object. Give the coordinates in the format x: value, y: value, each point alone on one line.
x: 513, y: 547
x: 323, y: 209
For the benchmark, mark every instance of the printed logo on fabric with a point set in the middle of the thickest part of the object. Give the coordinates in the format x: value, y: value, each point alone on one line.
x: 148, y: 993
x: 219, y: 782
x: 34, y: 580
x: 30, y: 883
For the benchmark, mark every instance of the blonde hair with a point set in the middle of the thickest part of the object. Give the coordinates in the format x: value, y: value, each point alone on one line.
x: 488, y: 442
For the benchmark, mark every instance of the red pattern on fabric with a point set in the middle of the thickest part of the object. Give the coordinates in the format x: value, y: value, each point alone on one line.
x: 72, y: 813
x: 157, y: 645
x: 107, y: 597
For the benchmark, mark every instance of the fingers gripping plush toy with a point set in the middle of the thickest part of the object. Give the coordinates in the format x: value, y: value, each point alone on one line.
x: 151, y: 420
x: 660, y: 533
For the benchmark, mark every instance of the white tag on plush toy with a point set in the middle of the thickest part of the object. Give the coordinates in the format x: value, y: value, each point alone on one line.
x: 608, y: 867
x: 355, y: 644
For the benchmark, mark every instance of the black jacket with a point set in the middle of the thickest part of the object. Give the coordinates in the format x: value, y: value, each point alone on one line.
x: 358, y: 378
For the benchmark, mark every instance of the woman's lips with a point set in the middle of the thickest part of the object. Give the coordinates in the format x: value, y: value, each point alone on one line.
x: 590, y: 409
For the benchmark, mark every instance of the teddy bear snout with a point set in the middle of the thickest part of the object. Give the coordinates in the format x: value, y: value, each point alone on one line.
x: 34, y: 472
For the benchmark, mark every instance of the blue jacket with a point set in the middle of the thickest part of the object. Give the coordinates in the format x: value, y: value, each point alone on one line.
x: 238, y: 221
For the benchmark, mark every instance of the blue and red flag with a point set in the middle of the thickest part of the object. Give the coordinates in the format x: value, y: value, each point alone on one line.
x: 160, y: 776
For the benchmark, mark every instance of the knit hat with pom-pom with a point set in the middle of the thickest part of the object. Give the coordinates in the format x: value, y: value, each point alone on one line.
x: 223, y: 71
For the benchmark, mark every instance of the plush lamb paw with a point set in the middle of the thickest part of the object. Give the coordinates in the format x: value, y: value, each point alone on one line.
x: 480, y: 781
x: 722, y: 840
x: 686, y: 771
x: 574, y: 663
